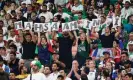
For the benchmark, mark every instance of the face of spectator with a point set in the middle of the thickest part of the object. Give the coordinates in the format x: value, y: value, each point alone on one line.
x: 55, y: 19
x: 7, y: 16
x: 130, y: 47
x: 75, y: 64
x: 12, y: 49
x: 131, y: 19
x: 130, y: 37
x: 91, y: 64
x: 111, y: 7
x: 29, y: 8
x: 80, y: 16
x: 90, y: 11
x: 103, y: 19
x: 43, y: 41
x: 12, y: 76
x: 108, y: 66
x: 1, y: 24
x: 24, y: 70
x: 115, y: 44
x: 128, y: 78
x: 23, y: 5
x: 62, y: 72
x: 55, y: 57
x: 65, y: 34
x: 12, y: 57
x: 107, y: 30
x: 19, y: 14
x: 34, y: 68
x: 127, y: 5
x: 47, y: 70
x: 54, y: 67
x: 28, y: 38
x: 76, y: 1
x: 82, y: 37
x: 59, y: 9
x: 12, y: 32
x: 42, y: 19
x: 44, y: 8
x: 21, y: 63
x: 106, y: 55
x: 124, y: 57
x: 100, y: 11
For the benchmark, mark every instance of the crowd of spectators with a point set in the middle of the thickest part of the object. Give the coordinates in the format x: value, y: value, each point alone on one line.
x: 103, y: 52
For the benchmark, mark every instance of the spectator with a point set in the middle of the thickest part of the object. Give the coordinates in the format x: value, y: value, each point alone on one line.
x: 36, y: 75
x: 48, y: 15
x: 63, y: 73
x: 13, y: 64
x: 55, y: 71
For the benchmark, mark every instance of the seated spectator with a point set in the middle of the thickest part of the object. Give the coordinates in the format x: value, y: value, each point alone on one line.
x: 74, y: 74
x: 13, y: 63
x: 46, y: 14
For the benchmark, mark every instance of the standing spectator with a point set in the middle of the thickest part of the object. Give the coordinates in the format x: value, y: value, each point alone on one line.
x: 65, y: 46
x: 29, y: 45
x: 42, y: 50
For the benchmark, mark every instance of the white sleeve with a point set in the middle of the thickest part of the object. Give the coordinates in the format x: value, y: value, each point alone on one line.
x: 51, y: 15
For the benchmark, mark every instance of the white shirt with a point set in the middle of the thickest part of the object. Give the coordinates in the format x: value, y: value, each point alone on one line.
x: 78, y: 8
x: 48, y: 16
x: 37, y: 76
x: 54, y: 76
x: 2, y: 44
x: 48, y: 77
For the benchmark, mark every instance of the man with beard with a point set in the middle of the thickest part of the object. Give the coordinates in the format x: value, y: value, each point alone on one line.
x: 48, y: 15
x: 65, y: 46
x: 35, y: 75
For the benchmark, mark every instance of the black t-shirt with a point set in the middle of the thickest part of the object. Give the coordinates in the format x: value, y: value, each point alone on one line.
x: 107, y: 41
x: 121, y: 64
x: 65, y: 46
x: 14, y: 66
x: 28, y: 50
x: 73, y: 77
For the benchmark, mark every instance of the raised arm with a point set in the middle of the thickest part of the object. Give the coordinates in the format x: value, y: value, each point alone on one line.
x: 54, y: 37
x: 21, y: 36
x: 71, y: 35
x: 39, y: 38
x: 88, y: 37
x: 33, y: 36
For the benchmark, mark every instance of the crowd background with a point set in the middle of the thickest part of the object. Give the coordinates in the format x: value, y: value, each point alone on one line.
x: 105, y: 53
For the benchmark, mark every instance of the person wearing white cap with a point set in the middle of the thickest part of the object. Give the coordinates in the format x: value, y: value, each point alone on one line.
x: 35, y: 75
x: 130, y: 49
